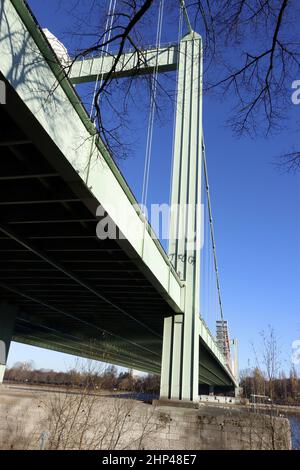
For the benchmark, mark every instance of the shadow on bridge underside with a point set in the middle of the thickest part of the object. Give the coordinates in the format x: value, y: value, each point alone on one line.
x: 75, y: 293
x: 210, y: 371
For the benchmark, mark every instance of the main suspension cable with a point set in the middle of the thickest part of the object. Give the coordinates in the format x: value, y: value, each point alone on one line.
x: 179, y: 37
x: 212, y: 233
x: 106, y: 39
x: 99, y: 78
x: 184, y: 9
x: 153, y: 91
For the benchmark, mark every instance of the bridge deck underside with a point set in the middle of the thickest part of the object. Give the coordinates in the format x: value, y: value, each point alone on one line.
x: 210, y: 371
x: 75, y: 293
x: 111, y: 311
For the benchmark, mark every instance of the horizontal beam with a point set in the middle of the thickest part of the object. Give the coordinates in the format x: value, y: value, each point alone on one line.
x: 28, y: 176
x: 70, y: 316
x: 49, y: 221
x: 130, y: 63
x: 25, y: 201
x: 78, y: 352
x: 210, y: 374
x: 66, y: 237
x: 79, y: 340
x: 69, y: 274
x: 12, y: 143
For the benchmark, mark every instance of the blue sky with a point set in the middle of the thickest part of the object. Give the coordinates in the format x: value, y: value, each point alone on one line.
x: 256, y: 214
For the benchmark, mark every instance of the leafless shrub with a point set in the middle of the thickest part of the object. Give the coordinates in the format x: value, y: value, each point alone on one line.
x: 265, y: 431
x: 18, y: 431
x: 85, y: 419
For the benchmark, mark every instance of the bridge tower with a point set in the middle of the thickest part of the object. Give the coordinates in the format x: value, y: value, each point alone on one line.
x: 180, y: 359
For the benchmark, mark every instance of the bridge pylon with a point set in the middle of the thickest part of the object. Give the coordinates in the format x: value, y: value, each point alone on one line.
x: 180, y: 359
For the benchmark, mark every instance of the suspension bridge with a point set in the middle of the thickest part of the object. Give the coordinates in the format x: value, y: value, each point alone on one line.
x: 120, y: 300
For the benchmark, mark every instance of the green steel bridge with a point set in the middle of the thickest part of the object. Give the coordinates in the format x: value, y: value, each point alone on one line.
x: 120, y: 300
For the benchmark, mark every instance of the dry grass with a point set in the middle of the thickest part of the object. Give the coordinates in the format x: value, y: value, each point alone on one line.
x: 82, y: 420
x: 66, y: 420
x: 19, y: 415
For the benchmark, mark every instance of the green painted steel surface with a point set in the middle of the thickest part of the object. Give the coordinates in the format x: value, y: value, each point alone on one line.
x: 105, y: 300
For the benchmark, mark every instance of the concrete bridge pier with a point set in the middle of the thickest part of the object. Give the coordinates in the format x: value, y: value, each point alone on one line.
x: 8, y: 315
x: 180, y: 362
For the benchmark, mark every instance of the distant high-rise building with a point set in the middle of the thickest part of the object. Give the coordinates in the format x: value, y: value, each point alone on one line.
x: 222, y: 338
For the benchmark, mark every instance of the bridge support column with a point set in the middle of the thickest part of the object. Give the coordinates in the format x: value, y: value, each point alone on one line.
x: 172, y: 358
x: 181, y: 338
x: 179, y: 379
x: 7, y: 323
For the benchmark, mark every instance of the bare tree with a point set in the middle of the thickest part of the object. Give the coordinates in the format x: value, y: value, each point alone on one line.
x: 87, y: 419
x: 252, y: 46
x: 271, y: 356
x: 267, y: 364
x: 122, y: 29
x: 257, y: 70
